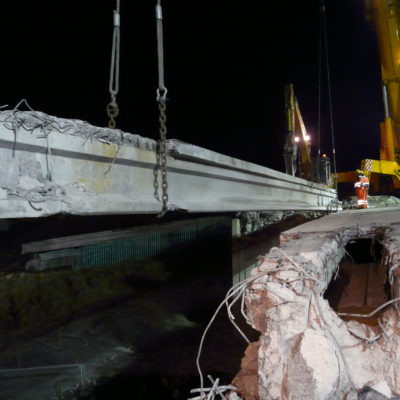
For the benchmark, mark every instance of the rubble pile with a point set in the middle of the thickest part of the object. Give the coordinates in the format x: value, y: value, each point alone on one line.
x: 306, y: 350
x: 255, y: 221
x: 373, y: 202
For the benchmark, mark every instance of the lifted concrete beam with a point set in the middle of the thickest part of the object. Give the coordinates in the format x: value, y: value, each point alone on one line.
x: 51, y: 165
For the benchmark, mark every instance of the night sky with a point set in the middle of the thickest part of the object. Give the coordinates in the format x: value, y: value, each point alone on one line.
x: 226, y: 66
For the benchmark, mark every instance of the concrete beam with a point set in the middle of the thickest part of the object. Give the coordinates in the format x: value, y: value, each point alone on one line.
x: 50, y: 165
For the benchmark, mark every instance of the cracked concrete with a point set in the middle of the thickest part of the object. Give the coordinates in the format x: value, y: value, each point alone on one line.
x: 42, y: 154
x: 306, y: 350
x: 39, y: 178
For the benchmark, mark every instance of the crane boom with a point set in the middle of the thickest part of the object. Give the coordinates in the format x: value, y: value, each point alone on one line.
x: 297, y: 139
x: 297, y: 148
x: 386, y: 18
x: 385, y: 14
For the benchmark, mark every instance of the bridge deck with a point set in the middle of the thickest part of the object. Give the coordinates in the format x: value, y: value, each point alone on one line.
x: 50, y: 165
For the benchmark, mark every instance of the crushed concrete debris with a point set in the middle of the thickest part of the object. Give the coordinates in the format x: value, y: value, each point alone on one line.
x: 255, y: 221
x: 373, y: 202
x: 306, y: 351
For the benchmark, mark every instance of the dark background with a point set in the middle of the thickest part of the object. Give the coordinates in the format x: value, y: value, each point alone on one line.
x: 226, y: 66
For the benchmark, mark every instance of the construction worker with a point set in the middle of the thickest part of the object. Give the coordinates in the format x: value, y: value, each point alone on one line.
x: 362, y: 186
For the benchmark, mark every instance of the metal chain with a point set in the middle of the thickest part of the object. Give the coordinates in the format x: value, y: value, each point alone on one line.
x: 112, y: 112
x: 162, y: 98
x: 112, y: 107
x: 162, y: 105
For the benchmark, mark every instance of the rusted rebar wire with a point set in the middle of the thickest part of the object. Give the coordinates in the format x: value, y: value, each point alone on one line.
x: 236, y: 292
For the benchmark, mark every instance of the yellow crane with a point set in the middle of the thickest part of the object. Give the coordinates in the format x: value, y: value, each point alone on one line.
x: 386, y: 17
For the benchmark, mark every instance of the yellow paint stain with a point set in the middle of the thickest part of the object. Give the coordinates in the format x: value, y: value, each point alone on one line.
x: 93, y: 174
x: 98, y: 184
x: 97, y: 180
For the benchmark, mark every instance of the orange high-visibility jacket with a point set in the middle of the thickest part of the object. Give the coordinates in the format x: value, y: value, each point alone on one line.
x: 363, y: 182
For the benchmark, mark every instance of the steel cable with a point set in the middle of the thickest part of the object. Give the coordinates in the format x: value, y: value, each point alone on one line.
x: 112, y: 107
x: 325, y: 35
x: 319, y: 82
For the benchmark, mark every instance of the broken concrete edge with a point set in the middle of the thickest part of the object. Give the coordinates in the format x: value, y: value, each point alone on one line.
x: 306, y: 351
x: 255, y: 221
x: 25, y: 179
x: 373, y: 202
x: 44, y: 124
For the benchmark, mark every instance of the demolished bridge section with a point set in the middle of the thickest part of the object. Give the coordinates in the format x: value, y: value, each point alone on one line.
x: 51, y: 165
x: 307, y: 349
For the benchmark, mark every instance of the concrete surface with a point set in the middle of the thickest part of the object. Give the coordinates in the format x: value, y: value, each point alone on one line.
x: 354, y: 222
x: 50, y: 165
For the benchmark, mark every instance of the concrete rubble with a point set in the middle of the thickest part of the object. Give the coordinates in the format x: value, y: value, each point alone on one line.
x: 373, y: 202
x: 255, y: 221
x: 306, y: 350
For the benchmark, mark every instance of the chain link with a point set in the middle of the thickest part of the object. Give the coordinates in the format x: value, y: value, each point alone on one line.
x: 161, y: 99
x: 163, y: 155
x: 112, y: 112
